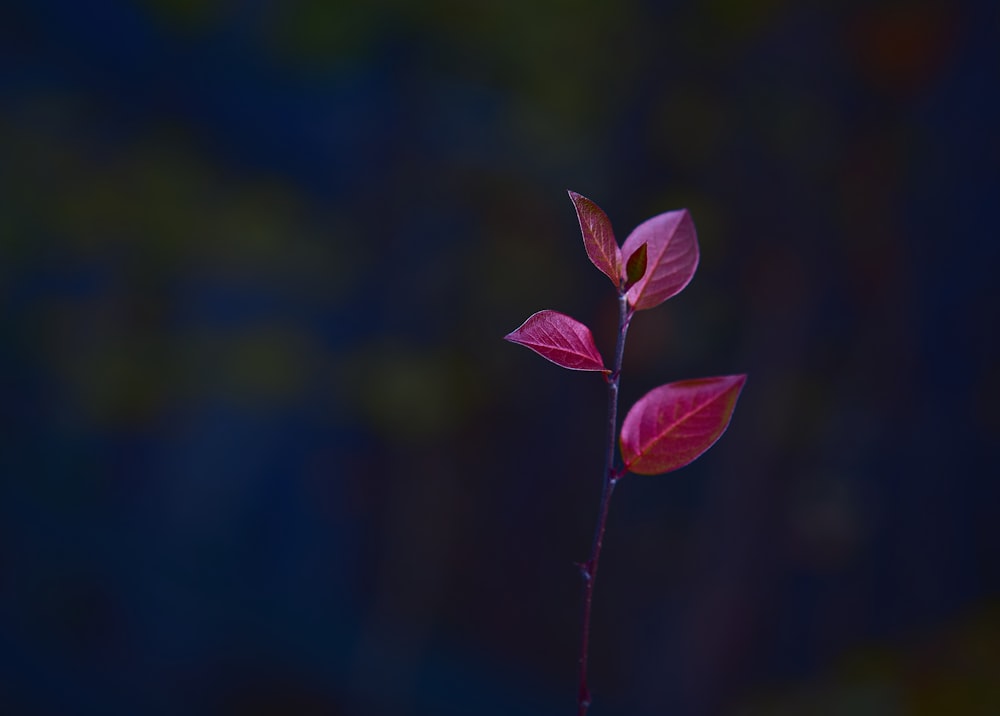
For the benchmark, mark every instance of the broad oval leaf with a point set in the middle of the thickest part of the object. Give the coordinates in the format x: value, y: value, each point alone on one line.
x: 672, y: 425
x: 671, y: 257
x: 561, y: 339
x: 598, y: 237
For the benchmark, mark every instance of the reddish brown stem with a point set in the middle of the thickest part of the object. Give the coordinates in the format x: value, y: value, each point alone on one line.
x: 610, y: 478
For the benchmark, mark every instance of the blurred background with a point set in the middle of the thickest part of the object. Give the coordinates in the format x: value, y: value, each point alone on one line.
x: 263, y: 449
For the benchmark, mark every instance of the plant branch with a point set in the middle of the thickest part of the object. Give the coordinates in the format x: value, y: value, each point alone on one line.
x: 588, y: 569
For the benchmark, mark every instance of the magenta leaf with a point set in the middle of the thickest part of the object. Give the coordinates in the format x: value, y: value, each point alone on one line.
x: 598, y: 238
x: 672, y: 425
x: 561, y: 339
x: 671, y: 255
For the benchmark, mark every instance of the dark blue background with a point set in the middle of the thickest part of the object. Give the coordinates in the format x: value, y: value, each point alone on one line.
x: 264, y: 450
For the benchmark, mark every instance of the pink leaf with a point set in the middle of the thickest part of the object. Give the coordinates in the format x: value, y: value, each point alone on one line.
x: 672, y: 425
x: 560, y: 339
x: 598, y: 238
x: 671, y: 257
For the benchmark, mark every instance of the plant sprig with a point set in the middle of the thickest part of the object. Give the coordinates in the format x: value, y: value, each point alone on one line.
x: 670, y: 426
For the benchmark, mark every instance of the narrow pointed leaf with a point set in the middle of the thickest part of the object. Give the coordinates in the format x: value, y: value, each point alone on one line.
x: 598, y: 238
x: 561, y: 339
x: 672, y: 425
x: 671, y: 256
x: 635, y: 267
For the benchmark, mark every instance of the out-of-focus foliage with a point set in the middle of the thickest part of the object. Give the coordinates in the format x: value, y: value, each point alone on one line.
x: 950, y: 669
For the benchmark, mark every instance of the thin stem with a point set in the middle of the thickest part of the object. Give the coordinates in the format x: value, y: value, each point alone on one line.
x: 589, y: 568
